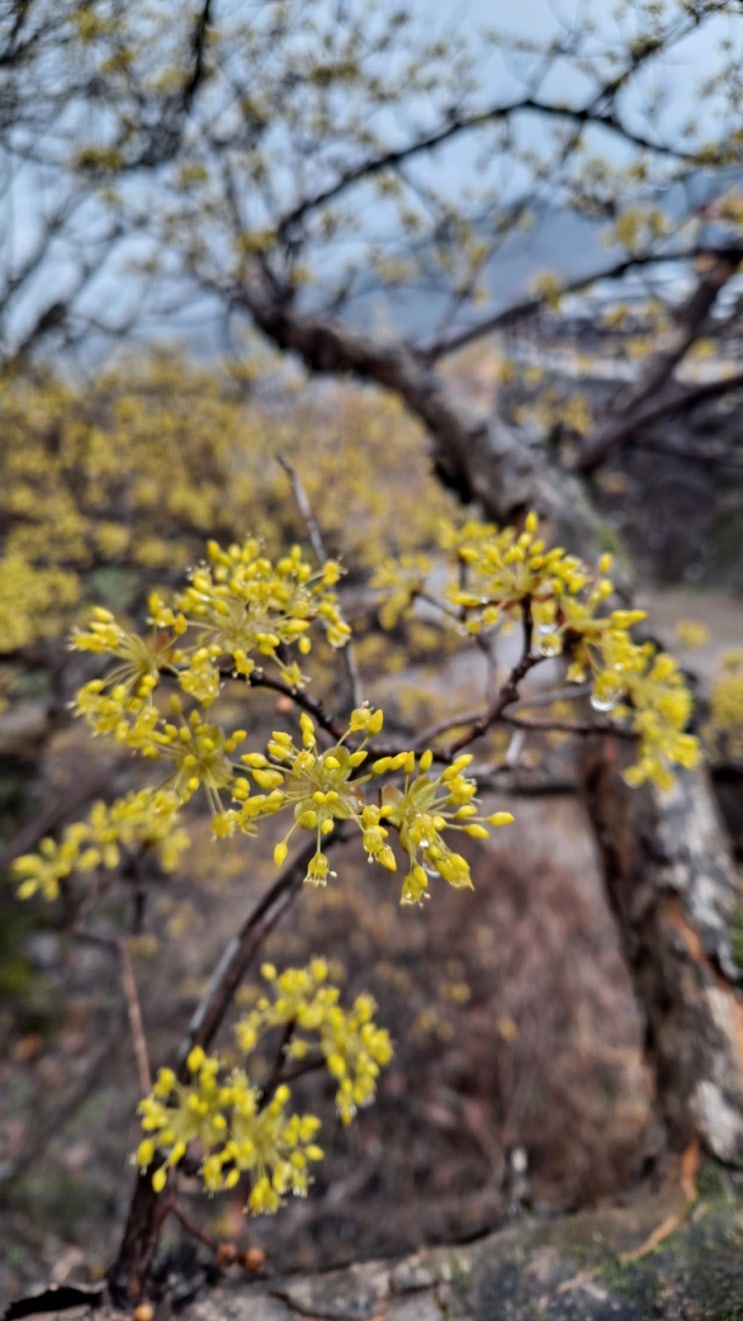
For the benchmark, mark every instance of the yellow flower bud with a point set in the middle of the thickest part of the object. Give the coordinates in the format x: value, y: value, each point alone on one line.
x: 159, y: 1179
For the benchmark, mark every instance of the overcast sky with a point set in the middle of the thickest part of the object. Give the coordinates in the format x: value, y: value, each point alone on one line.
x: 539, y: 19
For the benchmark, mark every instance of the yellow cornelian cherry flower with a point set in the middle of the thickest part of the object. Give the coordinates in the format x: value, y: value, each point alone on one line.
x: 322, y: 787
x: 724, y: 730
x: 238, y: 1130
x: 147, y: 818
x: 659, y: 706
x: 353, y: 1047
x: 235, y: 1132
x: 400, y: 581
x: 140, y: 660
x: 502, y: 574
x: 422, y: 810
x: 200, y: 753
x: 504, y: 568
x: 242, y: 606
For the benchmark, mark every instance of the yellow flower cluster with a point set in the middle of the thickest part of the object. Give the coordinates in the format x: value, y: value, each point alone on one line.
x: 323, y: 788
x: 502, y: 575
x: 237, y: 1129
x: 500, y: 570
x: 419, y: 812
x: 400, y: 580
x: 128, y: 474
x: 239, y: 604
x: 144, y: 819
x: 35, y: 600
x: 320, y: 786
x: 236, y: 606
x: 646, y: 687
x: 235, y: 1133
x: 691, y: 633
x: 353, y: 1047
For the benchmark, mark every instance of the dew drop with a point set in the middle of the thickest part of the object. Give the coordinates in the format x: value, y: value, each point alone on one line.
x: 606, y: 699
x: 549, y: 643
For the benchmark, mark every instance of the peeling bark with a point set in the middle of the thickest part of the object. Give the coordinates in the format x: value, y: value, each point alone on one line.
x: 674, y: 892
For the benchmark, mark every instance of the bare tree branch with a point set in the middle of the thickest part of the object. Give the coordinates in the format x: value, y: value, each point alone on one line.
x: 628, y: 429
x: 458, y: 124
x: 691, y: 318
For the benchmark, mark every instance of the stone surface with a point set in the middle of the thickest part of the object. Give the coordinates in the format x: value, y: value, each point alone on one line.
x: 611, y: 1263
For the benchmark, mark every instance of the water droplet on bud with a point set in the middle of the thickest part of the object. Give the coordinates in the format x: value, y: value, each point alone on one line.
x: 549, y: 643
x: 606, y: 699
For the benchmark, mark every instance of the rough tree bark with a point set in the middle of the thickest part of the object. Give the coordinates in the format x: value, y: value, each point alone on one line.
x: 673, y: 889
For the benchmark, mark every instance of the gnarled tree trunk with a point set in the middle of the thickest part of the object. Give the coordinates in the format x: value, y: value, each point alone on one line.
x: 673, y: 889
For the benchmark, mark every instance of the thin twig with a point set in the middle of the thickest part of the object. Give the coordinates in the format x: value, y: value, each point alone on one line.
x: 242, y: 949
x: 567, y: 726
x: 281, y: 1074
x: 443, y: 726
x: 571, y: 693
x: 192, y: 1229
x: 509, y: 691
x: 521, y: 781
x: 315, y: 535
x: 259, y: 679
x: 134, y: 1011
x: 275, y: 1076
x: 305, y: 509
x: 120, y: 946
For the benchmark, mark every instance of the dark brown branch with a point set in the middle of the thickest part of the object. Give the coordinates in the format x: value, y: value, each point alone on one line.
x: 242, y: 949
x: 192, y: 1229
x: 198, y: 46
x: 475, y: 454
x: 259, y: 679
x: 508, y: 693
x: 532, y: 306
x: 129, y: 1272
x: 679, y: 403
x: 691, y: 318
x: 427, y: 736
x: 456, y: 124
